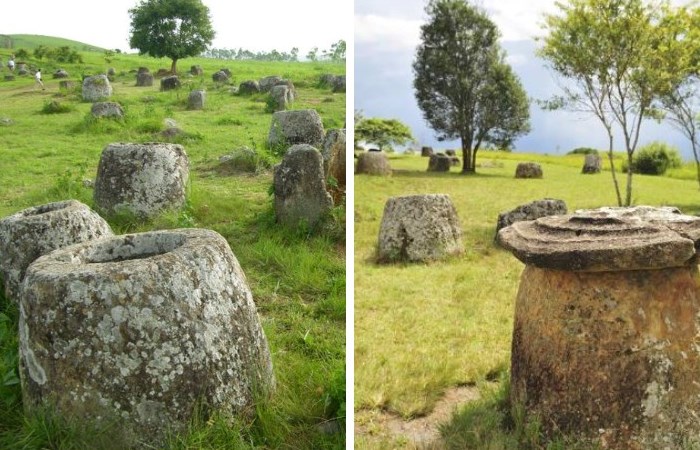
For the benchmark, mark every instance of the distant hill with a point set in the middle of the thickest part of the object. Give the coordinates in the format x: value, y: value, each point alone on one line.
x: 32, y: 41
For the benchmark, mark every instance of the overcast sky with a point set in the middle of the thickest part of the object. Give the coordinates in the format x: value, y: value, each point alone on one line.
x: 388, y: 32
x: 272, y: 24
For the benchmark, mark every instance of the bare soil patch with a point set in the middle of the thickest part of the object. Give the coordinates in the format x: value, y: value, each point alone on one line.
x: 421, y: 432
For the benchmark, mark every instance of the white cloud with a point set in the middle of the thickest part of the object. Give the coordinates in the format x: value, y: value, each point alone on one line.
x: 386, y: 33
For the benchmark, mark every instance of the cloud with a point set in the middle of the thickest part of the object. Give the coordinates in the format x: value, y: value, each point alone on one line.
x: 383, y: 33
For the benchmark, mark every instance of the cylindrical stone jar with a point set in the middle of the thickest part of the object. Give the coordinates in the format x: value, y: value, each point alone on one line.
x: 141, y: 179
x: 419, y: 228
x: 36, y: 231
x: 605, y: 340
x: 141, y: 330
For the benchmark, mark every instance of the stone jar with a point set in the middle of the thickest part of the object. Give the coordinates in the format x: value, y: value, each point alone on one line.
x: 606, y: 323
x: 141, y: 179
x: 140, y: 331
x: 36, y: 231
x: 419, y: 228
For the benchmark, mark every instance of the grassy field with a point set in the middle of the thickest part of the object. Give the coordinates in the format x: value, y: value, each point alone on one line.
x: 297, y: 275
x: 423, y: 328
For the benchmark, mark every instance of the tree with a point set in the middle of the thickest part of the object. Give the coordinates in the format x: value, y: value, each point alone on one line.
x: 174, y: 29
x: 382, y: 132
x: 615, y: 56
x: 462, y: 83
x: 681, y: 103
x: 313, y: 54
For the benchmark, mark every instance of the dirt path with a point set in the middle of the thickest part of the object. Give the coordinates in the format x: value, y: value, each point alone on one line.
x: 421, y: 432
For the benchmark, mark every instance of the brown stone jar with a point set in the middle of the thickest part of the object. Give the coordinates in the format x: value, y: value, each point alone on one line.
x: 606, y: 339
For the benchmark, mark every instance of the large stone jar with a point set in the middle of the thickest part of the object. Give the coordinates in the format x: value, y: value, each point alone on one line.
x: 141, y: 179
x: 419, y: 228
x: 36, y: 231
x: 605, y: 339
x: 142, y: 330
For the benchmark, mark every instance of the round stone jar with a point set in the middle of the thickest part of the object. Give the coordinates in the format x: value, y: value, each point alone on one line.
x: 36, y: 231
x: 605, y: 340
x: 142, y: 330
x: 419, y: 228
x: 141, y: 179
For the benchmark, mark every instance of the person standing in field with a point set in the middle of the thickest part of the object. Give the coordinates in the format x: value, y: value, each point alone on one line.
x: 37, y: 77
x: 11, y: 63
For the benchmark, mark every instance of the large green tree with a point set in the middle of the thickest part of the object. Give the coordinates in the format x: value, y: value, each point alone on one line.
x: 681, y: 102
x: 462, y: 83
x: 173, y: 29
x: 383, y: 132
x: 616, y: 57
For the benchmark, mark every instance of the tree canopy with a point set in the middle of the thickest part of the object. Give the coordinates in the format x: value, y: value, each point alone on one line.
x: 619, y: 57
x: 462, y: 83
x: 383, y: 132
x: 174, y: 29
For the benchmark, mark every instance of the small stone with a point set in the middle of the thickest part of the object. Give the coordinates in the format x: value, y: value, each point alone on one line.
x: 528, y: 170
x: 373, y: 163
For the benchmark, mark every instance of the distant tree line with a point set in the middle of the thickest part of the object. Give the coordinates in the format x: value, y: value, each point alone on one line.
x: 336, y: 53
x: 63, y: 54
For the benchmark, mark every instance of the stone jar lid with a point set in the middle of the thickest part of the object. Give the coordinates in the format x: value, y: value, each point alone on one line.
x: 606, y: 239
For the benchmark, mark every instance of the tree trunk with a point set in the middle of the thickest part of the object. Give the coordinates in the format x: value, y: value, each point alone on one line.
x: 467, y: 158
x: 628, y: 196
x: 694, y: 144
x: 612, y: 167
x: 173, y: 67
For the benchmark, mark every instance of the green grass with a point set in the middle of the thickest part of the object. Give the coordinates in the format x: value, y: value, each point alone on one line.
x: 32, y: 41
x: 297, y: 275
x: 422, y: 328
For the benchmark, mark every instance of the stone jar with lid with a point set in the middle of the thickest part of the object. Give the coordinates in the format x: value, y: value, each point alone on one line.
x: 606, y: 339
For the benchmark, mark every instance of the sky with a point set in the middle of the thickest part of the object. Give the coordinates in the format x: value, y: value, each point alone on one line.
x: 387, y: 33
x: 274, y: 24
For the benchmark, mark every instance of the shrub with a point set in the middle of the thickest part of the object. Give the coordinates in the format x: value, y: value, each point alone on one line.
x: 655, y: 158
x: 55, y: 107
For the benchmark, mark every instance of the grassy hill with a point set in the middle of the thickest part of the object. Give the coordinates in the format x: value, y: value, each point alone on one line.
x: 422, y: 329
x: 32, y: 41
x: 50, y: 144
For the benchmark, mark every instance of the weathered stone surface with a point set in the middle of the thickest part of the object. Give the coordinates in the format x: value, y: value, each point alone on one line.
x: 6, y: 121
x: 220, y: 77
x: 141, y: 330
x: 267, y: 83
x: 111, y: 72
x: 454, y: 161
x: 339, y: 83
x: 160, y: 73
x: 605, y: 239
x: 592, y: 164
x: 249, y: 87
x: 196, y: 99
x: 36, y: 231
x: 66, y: 85
x: 60, y: 73
x: 334, y: 162
x: 439, y: 163
x: 143, y: 179
x: 196, y: 70
x: 426, y: 151
x: 373, y: 163
x: 107, y: 109
x: 450, y: 152
x: 606, y: 325
x: 303, y: 126
x: 144, y: 79
x: 96, y: 88
x: 528, y: 170
x: 169, y: 83
x: 282, y: 97
x: 610, y: 357
x: 300, y: 187
x: 419, y: 228
x: 326, y: 80
x: 531, y: 211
